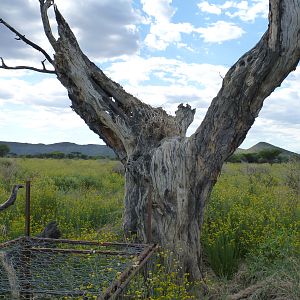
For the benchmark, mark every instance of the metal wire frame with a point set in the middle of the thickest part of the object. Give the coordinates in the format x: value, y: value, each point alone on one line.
x: 138, y: 254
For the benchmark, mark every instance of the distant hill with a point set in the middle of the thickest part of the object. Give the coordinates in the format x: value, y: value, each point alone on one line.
x: 102, y: 150
x: 66, y: 148
x: 265, y: 146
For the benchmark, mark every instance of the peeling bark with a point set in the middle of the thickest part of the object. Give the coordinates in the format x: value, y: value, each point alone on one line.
x: 172, y: 172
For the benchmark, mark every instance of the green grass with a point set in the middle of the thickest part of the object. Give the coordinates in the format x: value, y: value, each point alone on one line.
x: 83, y: 196
x: 251, y: 232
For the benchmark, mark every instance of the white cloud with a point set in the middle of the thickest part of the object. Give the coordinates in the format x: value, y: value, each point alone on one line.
x: 247, y: 11
x: 209, y: 8
x: 220, y: 31
x: 136, y: 70
x: 40, y: 125
x: 274, y: 132
x: 163, y: 34
x: 47, y: 92
x: 259, y: 8
x: 160, y: 10
x: 103, y: 28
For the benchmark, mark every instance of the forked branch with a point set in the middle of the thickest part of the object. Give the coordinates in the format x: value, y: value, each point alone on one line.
x: 31, y: 44
x: 43, y: 70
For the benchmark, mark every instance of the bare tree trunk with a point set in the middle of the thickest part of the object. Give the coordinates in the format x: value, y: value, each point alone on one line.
x: 177, y: 190
x: 166, y: 172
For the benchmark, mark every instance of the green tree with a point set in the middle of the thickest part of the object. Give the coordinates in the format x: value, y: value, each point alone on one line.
x: 4, y: 150
x: 250, y: 157
x: 270, y: 155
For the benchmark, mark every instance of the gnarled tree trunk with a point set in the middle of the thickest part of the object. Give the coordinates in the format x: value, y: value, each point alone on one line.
x: 167, y: 173
x: 165, y: 170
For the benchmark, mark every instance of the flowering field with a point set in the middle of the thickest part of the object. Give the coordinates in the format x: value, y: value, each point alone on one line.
x: 250, y: 235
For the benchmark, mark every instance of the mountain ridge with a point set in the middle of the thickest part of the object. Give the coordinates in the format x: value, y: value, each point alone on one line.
x: 103, y: 150
x: 64, y: 147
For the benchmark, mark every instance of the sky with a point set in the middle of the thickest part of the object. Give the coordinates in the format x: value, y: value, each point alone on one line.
x: 165, y: 52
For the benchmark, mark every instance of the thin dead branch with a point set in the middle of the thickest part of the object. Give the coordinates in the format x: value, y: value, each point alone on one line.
x: 11, y: 200
x: 27, y: 41
x: 44, y: 70
x: 21, y: 37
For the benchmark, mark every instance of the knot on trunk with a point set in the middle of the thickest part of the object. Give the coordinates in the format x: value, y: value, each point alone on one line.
x: 184, y: 118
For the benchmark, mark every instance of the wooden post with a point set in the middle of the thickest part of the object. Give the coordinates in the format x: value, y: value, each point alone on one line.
x: 27, y: 209
x: 25, y: 253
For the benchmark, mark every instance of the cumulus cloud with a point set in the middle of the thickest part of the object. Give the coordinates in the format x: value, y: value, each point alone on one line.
x: 160, y: 10
x: 40, y: 125
x: 163, y: 32
x: 137, y: 70
x: 47, y: 92
x: 220, y: 31
x: 247, y: 11
x: 209, y: 8
x: 104, y: 28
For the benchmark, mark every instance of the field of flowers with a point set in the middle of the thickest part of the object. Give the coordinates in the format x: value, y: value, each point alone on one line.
x: 251, y: 234
x: 82, y: 196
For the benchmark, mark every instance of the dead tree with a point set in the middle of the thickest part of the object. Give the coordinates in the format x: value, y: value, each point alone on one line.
x: 167, y: 173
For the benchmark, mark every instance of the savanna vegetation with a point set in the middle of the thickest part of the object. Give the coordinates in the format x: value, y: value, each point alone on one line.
x: 250, y: 236
x: 264, y: 156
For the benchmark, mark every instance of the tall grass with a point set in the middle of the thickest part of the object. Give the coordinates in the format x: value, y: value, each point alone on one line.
x: 253, y: 212
x: 81, y: 196
x: 252, y: 219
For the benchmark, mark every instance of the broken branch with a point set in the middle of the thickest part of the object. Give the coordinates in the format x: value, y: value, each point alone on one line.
x: 44, y: 70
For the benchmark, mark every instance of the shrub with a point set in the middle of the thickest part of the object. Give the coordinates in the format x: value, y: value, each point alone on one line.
x: 4, y: 150
x: 247, y: 214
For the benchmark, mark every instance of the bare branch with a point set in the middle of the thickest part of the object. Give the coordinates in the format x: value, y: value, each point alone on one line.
x: 11, y: 200
x: 27, y: 41
x: 44, y: 70
x: 44, y: 6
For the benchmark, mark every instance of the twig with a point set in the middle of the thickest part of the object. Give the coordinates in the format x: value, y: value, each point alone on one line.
x: 44, y: 70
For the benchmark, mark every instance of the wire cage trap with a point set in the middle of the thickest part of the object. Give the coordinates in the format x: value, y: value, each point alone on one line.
x: 46, y: 268
x: 39, y: 268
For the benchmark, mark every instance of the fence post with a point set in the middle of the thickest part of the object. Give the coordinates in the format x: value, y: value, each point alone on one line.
x: 27, y: 209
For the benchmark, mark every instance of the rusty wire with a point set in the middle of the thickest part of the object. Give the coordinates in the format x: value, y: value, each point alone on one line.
x: 35, y: 268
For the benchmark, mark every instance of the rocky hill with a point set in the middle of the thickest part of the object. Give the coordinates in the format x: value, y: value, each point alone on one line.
x: 266, y: 146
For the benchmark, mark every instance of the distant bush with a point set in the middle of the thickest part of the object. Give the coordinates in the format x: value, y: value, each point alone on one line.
x: 4, y: 150
x: 62, y: 155
x: 264, y: 156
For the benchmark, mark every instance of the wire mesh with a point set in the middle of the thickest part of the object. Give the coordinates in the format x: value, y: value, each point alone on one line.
x: 35, y: 268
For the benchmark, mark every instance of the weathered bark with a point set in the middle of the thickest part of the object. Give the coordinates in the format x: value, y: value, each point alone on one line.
x: 172, y: 172
x: 166, y: 171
